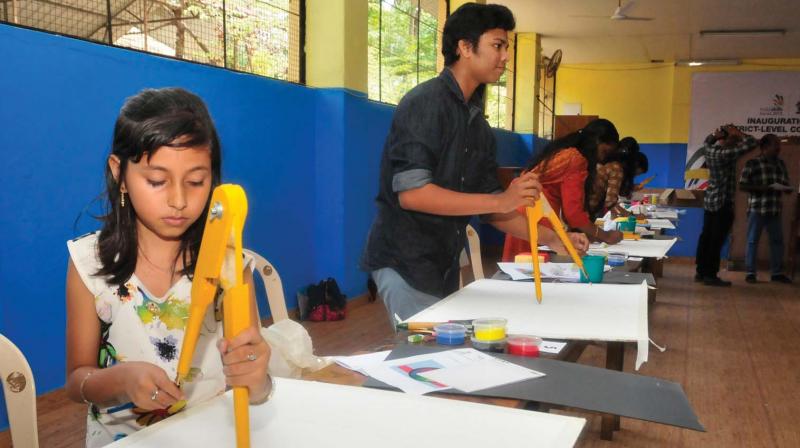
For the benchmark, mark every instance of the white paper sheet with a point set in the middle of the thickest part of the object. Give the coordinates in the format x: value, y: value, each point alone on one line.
x: 659, y: 223
x: 567, y: 272
x: 411, y: 374
x: 665, y: 214
x: 551, y: 346
x: 642, y: 248
x: 304, y: 414
x: 580, y: 311
x: 483, y: 374
x: 359, y: 362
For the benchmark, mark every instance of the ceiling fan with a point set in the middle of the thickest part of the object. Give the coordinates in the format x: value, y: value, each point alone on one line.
x: 619, y: 13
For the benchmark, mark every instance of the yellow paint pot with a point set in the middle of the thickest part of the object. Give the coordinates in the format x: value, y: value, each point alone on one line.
x: 491, y: 329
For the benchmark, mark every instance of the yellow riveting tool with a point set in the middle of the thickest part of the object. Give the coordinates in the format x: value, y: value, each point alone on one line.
x: 219, y: 266
x: 541, y: 209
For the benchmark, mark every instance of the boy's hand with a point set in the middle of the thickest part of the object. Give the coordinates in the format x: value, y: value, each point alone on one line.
x: 522, y: 192
x: 245, y: 359
x: 148, y: 386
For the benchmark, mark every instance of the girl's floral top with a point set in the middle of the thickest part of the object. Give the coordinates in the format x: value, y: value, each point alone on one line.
x: 135, y: 325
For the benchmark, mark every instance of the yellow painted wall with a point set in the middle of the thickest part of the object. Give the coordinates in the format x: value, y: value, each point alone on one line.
x: 651, y: 102
x: 526, y: 111
x: 336, y: 44
x: 636, y: 97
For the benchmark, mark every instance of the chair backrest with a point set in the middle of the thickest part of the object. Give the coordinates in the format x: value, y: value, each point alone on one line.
x: 20, y: 394
x: 474, y: 244
x: 272, y: 285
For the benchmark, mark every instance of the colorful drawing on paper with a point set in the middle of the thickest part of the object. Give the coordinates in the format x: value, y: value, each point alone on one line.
x: 415, y: 370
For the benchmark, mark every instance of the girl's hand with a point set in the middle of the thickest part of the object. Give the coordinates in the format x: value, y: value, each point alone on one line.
x: 245, y: 359
x: 148, y: 386
x: 579, y: 241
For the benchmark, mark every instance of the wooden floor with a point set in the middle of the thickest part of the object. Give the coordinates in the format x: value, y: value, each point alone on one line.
x: 736, y: 351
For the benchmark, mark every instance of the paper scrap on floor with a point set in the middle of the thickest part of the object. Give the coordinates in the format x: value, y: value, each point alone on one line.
x: 359, y: 362
x: 567, y: 272
x: 411, y: 375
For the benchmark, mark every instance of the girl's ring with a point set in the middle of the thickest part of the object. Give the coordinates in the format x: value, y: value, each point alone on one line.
x: 252, y: 357
x: 155, y: 395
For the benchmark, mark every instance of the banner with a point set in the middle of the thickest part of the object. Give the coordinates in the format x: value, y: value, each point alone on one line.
x: 757, y: 103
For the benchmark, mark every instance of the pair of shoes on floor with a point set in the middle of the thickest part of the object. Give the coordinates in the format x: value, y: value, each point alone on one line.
x: 698, y: 278
x: 780, y: 278
x: 751, y: 278
x: 715, y: 281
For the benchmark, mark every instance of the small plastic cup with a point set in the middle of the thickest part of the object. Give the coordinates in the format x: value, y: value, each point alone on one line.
x: 524, y: 345
x: 616, y: 259
x: 627, y: 226
x: 594, y: 265
x: 487, y: 330
x: 450, y: 334
x: 498, y: 346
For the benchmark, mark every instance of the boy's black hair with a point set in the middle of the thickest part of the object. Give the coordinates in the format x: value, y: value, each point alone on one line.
x: 469, y: 22
x: 149, y: 120
x: 586, y: 141
x: 766, y: 140
x: 628, y: 155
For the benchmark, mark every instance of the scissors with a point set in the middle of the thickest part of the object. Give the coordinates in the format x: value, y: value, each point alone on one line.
x: 542, y: 210
x: 219, y: 266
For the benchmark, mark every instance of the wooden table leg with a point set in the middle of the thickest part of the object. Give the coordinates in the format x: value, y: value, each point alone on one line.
x: 615, y: 357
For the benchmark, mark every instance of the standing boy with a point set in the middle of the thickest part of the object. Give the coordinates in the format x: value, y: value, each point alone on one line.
x: 765, y: 178
x: 722, y: 149
x: 439, y: 169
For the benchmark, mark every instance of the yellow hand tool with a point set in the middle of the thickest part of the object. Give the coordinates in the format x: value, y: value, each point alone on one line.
x: 219, y: 266
x: 541, y: 209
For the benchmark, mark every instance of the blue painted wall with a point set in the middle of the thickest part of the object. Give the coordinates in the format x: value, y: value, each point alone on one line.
x: 59, y: 103
x: 667, y: 162
x: 308, y: 158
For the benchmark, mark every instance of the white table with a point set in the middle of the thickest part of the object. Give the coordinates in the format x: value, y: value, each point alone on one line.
x: 306, y: 414
x: 575, y: 311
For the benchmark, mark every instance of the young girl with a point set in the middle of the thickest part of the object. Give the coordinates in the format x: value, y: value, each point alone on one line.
x: 128, y: 286
x: 615, y: 177
x: 566, y: 169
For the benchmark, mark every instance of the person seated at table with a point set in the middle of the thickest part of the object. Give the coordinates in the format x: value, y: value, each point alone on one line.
x: 438, y: 169
x: 566, y: 169
x: 615, y: 176
x: 129, y: 285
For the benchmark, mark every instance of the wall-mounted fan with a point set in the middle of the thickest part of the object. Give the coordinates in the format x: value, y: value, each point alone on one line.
x: 551, y: 64
x: 620, y: 13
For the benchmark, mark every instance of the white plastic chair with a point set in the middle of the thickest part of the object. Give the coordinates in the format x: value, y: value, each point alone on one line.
x: 272, y: 285
x: 20, y: 395
x: 474, y: 244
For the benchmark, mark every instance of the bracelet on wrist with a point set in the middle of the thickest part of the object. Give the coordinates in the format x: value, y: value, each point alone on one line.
x: 83, y: 384
x: 269, y: 395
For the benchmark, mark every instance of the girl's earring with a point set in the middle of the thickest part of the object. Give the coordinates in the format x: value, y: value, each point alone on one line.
x: 122, y: 199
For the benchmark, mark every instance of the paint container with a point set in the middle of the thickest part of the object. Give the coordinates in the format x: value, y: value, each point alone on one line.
x: 594, y: 266
x: 450, y: 334
x: 496, y: 346
x: 524, y: 345
x: 491, y: 329
x: 617, y: 259
x: 629, y: 225
x: 416, y: 338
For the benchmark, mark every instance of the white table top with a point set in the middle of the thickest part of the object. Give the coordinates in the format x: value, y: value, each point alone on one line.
x: 578, y: 311
x: 306, y: 414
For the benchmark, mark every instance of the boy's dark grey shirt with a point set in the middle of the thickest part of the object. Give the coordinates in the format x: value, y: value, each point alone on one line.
x: 435, y: 138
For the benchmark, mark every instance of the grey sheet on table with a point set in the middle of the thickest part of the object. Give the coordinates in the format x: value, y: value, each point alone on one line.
x: 585, y: 387
x: 614, y: 277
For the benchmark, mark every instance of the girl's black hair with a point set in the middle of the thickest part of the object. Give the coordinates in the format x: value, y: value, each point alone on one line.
x: 586, y: 141
x: 149, y: 120
x: 469, y: 22
x: 628, y: 155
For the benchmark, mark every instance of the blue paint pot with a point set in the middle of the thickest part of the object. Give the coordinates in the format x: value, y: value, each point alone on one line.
x: 450, y: 334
